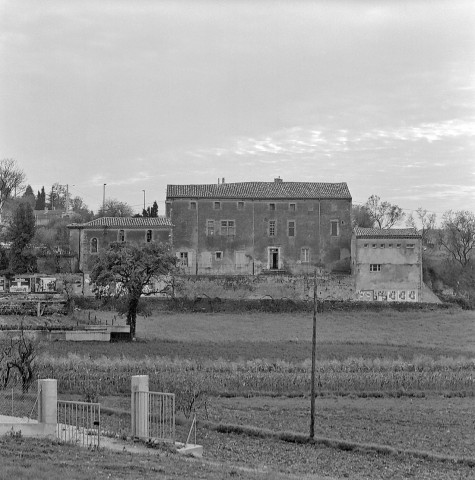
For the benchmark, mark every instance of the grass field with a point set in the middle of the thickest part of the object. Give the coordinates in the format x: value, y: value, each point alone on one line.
x: 401, y: 379
x: 388, y: 334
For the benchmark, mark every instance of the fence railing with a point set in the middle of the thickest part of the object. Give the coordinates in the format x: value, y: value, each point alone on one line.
x: 154, y: 416
x: 79, y: 423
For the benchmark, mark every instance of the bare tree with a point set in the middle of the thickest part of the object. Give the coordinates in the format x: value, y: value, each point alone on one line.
x: 424, y: 222
x: 458, y: 235
x: 384, y: 214
x: 12, y: 180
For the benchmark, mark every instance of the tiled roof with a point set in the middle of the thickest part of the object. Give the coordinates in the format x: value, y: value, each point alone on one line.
x: 128, y: 222
x: 261, y: 190
x: 386, y: 232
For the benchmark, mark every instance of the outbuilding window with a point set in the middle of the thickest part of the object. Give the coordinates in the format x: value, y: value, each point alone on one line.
x: 375, y: 267
x: 148, y: 236
x: 183, y: 259
x: 94, y: 245
x: 121, y: 235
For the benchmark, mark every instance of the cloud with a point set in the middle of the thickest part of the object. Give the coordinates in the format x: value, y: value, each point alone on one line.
x: 312, y: 141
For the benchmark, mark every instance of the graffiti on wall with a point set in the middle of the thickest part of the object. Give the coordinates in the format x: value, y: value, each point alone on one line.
x: 388, y: 295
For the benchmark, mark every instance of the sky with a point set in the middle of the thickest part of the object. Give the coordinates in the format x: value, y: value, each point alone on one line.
x: 138, y: 94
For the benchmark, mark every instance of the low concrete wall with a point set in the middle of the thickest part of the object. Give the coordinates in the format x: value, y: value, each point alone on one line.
x: 91, y: 333
x: 31, y: 428
x: 47, y: 414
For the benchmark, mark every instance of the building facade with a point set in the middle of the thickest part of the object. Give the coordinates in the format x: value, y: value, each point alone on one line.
x: 88, y: 239
x: 387, y: 264
x: 250, y: 228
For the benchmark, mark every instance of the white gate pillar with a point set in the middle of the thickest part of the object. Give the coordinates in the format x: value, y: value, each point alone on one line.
x: 47, y: 401
x: 139, y: 406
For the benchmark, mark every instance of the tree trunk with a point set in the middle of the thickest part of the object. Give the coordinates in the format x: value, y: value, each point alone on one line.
x: 132, y: 315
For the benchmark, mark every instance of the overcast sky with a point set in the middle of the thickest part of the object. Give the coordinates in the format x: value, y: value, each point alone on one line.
x: 140, y: 94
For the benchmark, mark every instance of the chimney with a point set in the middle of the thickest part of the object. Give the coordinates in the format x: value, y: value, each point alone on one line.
x: 278, y: 180
x: 223, y: 181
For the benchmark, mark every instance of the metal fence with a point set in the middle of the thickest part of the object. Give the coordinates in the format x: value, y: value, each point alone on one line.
x: 18, y: 403
x: 154, y: 416
x: 79, y: 423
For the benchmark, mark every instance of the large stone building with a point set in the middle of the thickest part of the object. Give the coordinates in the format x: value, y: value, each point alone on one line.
x: 258, y: 227
x: 88, y: 239
x: 387, y: 264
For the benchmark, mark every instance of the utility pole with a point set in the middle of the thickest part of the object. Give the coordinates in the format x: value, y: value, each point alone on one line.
x: 67, y: 198
x: 104, y: 200
x: 314, y: 348
x: 143, y: 199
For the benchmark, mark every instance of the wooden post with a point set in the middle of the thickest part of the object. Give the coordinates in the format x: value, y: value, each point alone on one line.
x: 314, y: 348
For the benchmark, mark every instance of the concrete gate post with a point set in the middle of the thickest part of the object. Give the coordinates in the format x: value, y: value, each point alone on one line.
x: 48, y: 401
x: 139, y: 406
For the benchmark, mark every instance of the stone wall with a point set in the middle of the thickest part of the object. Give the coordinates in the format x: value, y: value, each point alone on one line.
x: 295, y: 287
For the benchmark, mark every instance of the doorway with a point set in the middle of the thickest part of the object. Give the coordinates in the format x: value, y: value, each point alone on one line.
x: 274, y: 255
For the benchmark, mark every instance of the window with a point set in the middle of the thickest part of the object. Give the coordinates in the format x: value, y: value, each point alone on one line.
x: 218, y: 255
x: 410, y: 245
x: 148, y: 236
x: 272, y: 207
x: 366, y: 245
x: 217, y: 205
x: 210, y: 228
x: 292, y: 207
x: 383, y: 245
x: 305, y: 255
x: 375, y: 267
x: 390, y: 245
x: 291, y: 228
x: 121, y: 235
x: 94, y: 245
x: 398, y: 245
x: 373, y: 245
x: 334, y: 228
x: 271, y: 228
x: 193, y: 205
x: 228, y: 228
x: 240, y: 205
x: 183, y: 259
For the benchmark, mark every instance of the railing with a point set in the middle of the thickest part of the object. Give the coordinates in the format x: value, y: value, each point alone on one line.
x: 79, y: 423
x: 154, y: 416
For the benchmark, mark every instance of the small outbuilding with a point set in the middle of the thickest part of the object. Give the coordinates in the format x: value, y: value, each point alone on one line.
x: 387, y: 264
x: 88, y: 239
